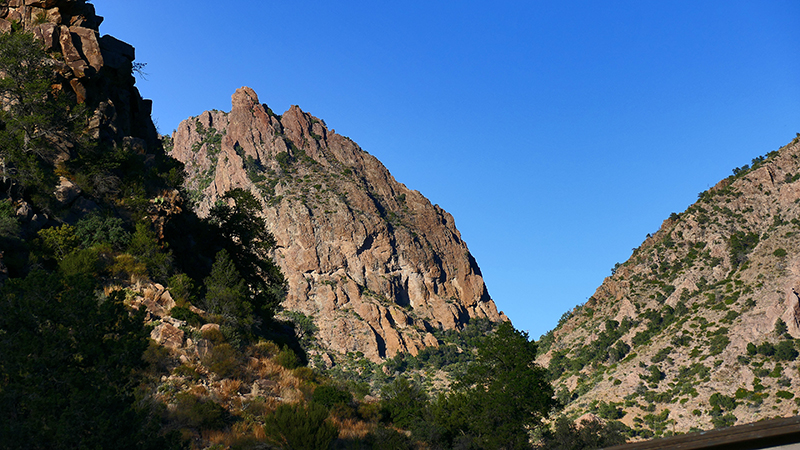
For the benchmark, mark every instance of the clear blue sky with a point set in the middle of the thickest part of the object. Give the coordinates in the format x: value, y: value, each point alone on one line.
x: 557, y: 133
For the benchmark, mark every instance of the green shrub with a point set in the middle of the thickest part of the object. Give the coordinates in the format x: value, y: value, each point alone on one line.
x: 144, y: 246
x: 85, y: 261
x: 300, y: 427
x: 265, y: 349
x: 766, y: 349
x: 58, y: 242
x: 127, y: 266
x: 224, y: 360
x: 94, y: 229
x: 610, y: 411
x: 191, y: 411
x: 328, y: 396
x: 784, y: 394
x: 187, y: 315
x: 740, y: 244
x: 287, y: 358
x: 284, y: 160
x: 157, y: 356
x: 780, y: 327
x: 785, y: 351
x: 187, y: 371
x: 181, y: 287
x: 780, y: 253
x: 9, y: 225
x: 717, y: 344
x: 226, y: 293
x: 728, y: 420
x: 305, y: 373
x: 661, y: 355
x: 388, y: 439
x: 590, y: 433
x: 723, y: 401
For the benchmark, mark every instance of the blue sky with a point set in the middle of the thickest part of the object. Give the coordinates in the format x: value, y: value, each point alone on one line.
x: 557, y: 133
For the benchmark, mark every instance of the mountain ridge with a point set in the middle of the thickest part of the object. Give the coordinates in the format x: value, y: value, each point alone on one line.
x: 677, y: 324
x: 374, y: 263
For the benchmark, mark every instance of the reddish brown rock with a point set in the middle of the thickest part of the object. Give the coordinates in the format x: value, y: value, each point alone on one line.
x: 48, y: 34
x: 89, y: 46
x: 71, y: 54
x: 41, y: 3
x: 375, y: 263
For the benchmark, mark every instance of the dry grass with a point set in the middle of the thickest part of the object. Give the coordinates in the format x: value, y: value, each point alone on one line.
x: 198, y: 390
x: 239, y: 433
x: 107, y: 290
x: 228, y: 388
x: 266, y: 368
x: 261, y: 406
x: 352, y: 428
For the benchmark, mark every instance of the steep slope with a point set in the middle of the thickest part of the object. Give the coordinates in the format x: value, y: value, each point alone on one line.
x: 698, y: 328
x: 373, y: 262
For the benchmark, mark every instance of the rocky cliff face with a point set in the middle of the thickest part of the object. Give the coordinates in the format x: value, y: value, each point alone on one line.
x: 373, y: 262
x: 699, y: 327
x: 98, y: 69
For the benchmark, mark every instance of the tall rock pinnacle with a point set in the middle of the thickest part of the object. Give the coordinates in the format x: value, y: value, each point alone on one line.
x: 373, y: 262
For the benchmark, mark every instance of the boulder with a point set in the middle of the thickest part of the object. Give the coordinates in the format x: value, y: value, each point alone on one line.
x: 158, y: 300
x: 80, y: 90
x: 208, y: 327
x: 167, y: 335
x: 48, y: 34
x: 66, y: 192
x: 24, y: 211
x: 89, y: 46
x: 71, y: 54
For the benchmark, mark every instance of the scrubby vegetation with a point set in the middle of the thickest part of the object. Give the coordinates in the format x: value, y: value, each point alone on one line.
x: 669, y: 338
x: 129, y: 322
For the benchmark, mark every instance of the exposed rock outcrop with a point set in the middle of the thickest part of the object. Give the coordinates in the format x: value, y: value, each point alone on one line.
x: 690, y: 307
x: 98, y: 69
x: 373, y: 262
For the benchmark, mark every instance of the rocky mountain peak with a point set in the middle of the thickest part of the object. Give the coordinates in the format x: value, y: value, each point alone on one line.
x: 375, y: 264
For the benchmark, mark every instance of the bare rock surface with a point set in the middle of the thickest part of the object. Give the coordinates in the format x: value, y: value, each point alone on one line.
x: 374, y: 263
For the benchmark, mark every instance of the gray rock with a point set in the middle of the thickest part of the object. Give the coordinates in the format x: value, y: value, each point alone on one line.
x: 66, y: 192
x: 24, y: 211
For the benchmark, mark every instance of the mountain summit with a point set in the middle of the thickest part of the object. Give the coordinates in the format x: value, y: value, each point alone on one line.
x: 375, y: 264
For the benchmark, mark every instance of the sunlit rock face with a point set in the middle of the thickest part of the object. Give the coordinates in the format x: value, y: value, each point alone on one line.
x: 374, y: 263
